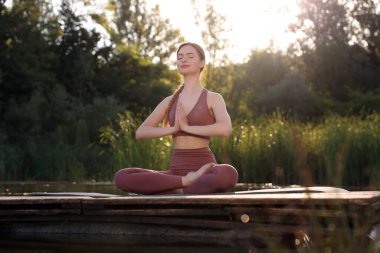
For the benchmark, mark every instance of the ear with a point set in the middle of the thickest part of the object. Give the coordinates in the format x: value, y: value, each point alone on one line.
x: 203, y: 63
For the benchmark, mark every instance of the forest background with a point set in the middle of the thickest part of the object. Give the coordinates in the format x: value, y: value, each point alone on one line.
x: 70, y: 100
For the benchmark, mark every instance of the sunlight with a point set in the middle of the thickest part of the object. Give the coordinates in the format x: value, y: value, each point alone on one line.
x: 259, y: 24
x: 254, y: 24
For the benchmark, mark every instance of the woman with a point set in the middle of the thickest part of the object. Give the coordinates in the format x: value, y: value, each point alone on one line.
x: 194, y: 114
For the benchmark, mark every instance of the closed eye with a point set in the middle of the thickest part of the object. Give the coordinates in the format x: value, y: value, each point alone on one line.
x: 188, y: 55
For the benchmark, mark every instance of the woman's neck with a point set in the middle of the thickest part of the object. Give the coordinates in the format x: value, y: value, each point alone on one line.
x: 192, y: 83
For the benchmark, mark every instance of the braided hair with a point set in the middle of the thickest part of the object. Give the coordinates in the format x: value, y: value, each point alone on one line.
x: 176, y: 93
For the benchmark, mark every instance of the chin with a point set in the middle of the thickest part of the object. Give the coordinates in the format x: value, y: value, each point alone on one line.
x: 188, y: 72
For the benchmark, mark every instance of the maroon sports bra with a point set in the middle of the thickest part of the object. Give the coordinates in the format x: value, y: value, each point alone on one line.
x: 199, y: 116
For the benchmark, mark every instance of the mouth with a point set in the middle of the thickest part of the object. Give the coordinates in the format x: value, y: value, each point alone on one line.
x: 184, y: 66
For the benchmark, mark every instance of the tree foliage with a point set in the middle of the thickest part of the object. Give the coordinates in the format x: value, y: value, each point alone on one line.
x: 133, y: 25
x: 61, y: 81
x: 217, y: 75
x: 340, y: 46
x: 59, y: 85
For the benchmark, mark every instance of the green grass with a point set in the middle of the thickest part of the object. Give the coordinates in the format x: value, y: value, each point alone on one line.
x: 125, y: 151
x: 337, y: 151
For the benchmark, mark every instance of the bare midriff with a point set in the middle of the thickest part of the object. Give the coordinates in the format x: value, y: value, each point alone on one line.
x: 189, y: 142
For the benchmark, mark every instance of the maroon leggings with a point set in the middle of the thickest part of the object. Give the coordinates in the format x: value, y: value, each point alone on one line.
x: 219, y: 178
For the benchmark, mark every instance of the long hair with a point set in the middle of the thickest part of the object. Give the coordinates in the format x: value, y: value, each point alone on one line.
x: 176, y: 93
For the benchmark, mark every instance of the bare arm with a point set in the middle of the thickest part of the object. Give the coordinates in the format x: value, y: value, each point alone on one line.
x: 222, y: 125
x: 149, y: 128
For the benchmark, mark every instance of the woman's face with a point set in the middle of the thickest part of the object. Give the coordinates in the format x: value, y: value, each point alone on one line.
x: 189, y: 61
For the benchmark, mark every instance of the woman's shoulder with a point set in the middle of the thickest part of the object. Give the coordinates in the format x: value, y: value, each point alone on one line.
x: 214, y: 98
x: 214, y: 95
x: 167, y: 99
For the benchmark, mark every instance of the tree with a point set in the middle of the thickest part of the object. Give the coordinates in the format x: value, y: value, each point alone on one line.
x: 263, y: 70
x: 339, y: 44
x: 325, y: 40
x: 136, y: 82
x: 214, y: 35
x: 77, y: 49
x: 132, y: 25
x: 25, y: 63
x: 292, y: 96
x: 365, y: 27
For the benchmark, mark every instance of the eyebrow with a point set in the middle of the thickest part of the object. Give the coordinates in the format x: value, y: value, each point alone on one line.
x: 186, y: 54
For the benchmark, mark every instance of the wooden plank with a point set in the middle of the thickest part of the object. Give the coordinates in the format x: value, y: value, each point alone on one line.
x: 38, y: 211
x: 39, y: 199
x: 313, y: 189
x: 317, y: 204
x: 365, y: 197
x: 16, y: 206
x: 226, y: 218
x: 222, y: 218
x: 356, y: 198
x: 77, y: 194
x: 157, y: 212
x: 286, y: 211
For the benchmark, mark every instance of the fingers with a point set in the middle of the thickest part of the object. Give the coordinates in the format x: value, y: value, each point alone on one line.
x: 180, y: 110
x: 180, y: 114
x: 209, y: 165
x: 212, y: 164
x: 177, y: 115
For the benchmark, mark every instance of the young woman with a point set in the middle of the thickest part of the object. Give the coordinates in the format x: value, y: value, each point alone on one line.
x: 191, y: 115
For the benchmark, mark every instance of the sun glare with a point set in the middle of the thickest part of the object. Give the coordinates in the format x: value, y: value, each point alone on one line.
x: 254, y: 24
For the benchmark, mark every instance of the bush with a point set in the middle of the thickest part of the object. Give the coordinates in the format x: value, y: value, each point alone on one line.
x: 293, y: 96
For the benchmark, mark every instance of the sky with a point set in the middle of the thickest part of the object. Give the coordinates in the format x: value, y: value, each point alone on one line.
x: 253, y: 24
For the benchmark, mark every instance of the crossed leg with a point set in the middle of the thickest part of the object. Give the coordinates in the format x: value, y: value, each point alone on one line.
x: 208, y: 179
x: 144, y: 181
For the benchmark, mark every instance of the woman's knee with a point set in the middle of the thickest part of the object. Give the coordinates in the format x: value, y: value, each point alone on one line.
x: 228, y: 175
x: 118, y: 178
x: 121, y: 177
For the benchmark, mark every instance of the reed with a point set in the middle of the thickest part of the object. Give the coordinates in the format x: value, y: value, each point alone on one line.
x: 337, y: 151
x: 125, y: 151
x: 261, y: 151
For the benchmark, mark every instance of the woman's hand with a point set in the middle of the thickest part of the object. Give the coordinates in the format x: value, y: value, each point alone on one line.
x: 181, y: 117
x: 176, y: 122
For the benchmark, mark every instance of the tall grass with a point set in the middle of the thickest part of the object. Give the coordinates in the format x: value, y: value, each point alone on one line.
x: 261, y: 151
x: 62, y: 155
x: 337, y: 151
x: 125, y: 151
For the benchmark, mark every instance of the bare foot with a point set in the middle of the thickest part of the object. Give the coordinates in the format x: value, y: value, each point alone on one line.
x: 194, y: 175
x: 178, y: 191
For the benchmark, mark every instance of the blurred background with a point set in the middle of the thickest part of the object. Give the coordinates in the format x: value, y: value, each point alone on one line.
x: 301, y: 80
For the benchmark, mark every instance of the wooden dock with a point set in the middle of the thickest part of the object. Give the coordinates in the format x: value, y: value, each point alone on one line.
x: 296, y: 217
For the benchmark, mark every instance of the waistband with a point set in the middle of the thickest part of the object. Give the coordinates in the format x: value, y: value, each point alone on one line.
x: 191, y: 151
x: 186, y: 160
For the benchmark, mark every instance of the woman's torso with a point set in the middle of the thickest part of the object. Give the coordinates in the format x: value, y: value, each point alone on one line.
x: 189, y: 142
x: 202, y: 109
